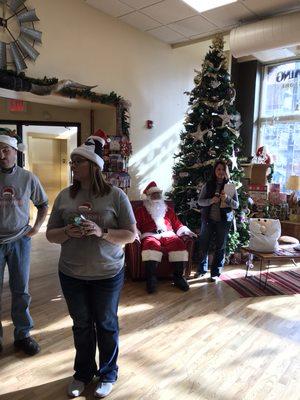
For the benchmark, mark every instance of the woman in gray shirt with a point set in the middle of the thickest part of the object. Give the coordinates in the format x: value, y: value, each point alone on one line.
x: 216, y: 219
x: 92, y: 220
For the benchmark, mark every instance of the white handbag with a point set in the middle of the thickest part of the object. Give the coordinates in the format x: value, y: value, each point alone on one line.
x: 264, y: 234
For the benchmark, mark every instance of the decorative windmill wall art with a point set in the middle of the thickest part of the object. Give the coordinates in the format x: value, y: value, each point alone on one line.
x: 18, y: 36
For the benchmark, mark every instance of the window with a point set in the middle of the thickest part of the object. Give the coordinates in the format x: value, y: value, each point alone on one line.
x: 279, y: 122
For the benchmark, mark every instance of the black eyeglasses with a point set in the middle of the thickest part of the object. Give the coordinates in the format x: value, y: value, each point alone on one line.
x: 76, y: 162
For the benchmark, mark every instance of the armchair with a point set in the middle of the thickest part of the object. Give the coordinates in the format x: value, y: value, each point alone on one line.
x: 133, y: 257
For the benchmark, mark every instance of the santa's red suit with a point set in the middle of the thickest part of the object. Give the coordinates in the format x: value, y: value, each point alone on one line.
x: 159, y: 227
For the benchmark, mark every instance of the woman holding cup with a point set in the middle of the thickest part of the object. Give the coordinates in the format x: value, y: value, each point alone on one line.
x: 92, y: 221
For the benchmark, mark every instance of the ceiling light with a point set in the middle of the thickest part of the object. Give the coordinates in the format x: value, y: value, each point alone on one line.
x: 204, y: 5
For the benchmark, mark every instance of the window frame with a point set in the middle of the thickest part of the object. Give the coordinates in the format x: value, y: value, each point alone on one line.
x: 261, y: 120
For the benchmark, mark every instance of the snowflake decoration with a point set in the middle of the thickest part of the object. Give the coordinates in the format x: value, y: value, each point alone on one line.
x: 215, y: 83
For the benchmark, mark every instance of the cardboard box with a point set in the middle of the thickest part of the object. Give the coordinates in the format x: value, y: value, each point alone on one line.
x: 259, y: 174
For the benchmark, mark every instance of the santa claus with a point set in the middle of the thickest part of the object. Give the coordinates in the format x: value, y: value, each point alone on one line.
x: 159, y: 227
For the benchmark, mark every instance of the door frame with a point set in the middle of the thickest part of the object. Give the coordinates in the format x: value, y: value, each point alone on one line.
x: 20, y: 123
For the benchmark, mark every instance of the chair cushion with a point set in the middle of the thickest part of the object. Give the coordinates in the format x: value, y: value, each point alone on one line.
x: 288, y: 240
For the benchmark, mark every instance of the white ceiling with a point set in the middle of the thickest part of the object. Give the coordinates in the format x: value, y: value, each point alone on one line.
x: 173, y: 21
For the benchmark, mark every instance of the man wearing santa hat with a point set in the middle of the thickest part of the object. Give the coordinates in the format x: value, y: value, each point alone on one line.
x: 18, y: 188
x: 159, y: 227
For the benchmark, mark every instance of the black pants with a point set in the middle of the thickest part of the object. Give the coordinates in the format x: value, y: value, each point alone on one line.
x: 221, y: 230
x: 93, y: 306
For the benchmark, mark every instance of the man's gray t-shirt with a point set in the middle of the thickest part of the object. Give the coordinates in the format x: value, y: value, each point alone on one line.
x: 91, y: 257
x: 17, y: 188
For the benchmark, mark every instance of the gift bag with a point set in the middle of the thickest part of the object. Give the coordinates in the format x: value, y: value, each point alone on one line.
x: 264, y: 234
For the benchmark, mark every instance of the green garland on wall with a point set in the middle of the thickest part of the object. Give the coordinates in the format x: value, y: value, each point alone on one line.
x: 9, y: 79
x: 44, y: 82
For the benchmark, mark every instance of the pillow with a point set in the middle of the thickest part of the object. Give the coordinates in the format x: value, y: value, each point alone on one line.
x: 288, y: 240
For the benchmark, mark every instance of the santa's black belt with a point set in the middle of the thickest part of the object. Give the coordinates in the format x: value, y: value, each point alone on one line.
x: 159, y: 231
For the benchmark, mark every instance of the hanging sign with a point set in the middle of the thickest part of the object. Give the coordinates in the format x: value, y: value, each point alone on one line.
x: 16, y: 105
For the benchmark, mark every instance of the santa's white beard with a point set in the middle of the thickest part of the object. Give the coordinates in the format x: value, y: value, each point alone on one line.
x: 157, y: 209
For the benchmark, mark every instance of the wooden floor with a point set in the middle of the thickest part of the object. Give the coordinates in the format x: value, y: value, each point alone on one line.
x: 207, y: 343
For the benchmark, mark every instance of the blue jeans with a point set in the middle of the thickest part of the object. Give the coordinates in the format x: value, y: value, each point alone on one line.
x: 17, y: 257
x: 93, y: 306
x: 221, y: 230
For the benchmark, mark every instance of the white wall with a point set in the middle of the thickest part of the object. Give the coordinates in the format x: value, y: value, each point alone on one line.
x: 90, y: 47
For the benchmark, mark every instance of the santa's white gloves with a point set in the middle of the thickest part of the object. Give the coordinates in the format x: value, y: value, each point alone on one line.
x: 185, y: 231
x: 138, y: 235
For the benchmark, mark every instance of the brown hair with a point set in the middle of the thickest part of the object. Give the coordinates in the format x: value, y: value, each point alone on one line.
x: 225, y: 166
x: 8, y: 132
x: 98, y: 185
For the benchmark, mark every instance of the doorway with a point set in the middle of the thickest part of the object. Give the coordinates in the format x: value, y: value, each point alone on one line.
x: 47, y: 159
x: 47, y: 152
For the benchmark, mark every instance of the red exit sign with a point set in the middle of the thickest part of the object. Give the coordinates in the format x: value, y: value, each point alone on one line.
x: 16, y: 105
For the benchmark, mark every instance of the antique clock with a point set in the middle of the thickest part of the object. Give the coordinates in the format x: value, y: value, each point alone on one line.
x: 18, y: 36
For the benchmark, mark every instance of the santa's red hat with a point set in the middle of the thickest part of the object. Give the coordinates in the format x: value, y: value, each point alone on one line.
x: 101, y: 136
x: 151, y: 188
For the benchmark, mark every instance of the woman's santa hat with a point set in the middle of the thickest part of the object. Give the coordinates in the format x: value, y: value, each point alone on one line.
x: 151, y: 188
x: 92, y: 148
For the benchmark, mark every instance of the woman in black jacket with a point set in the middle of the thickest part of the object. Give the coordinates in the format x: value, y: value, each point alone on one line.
x: 217, y: 200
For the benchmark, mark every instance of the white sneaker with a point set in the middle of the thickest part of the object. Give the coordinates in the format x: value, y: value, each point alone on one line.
x: 75, y: 388
x: 215, y: 279
x: 103, y: 389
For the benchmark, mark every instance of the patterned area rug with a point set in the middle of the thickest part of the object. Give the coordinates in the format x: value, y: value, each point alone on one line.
x: 279, y: 283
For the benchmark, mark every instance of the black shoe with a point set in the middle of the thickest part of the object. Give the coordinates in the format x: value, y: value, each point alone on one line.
x: 1, y: 347
x: 199, y: 274
x: 28, y: 345
x: 181, y: 283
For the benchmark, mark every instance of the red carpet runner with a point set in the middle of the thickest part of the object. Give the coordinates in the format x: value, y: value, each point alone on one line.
x: 279, y: 283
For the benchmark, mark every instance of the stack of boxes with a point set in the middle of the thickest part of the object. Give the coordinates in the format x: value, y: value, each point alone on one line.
x: 267, y: 198
x: 257, y: 186
x: 116, y: 166
x: 259, y: 194
x: 278, y: 202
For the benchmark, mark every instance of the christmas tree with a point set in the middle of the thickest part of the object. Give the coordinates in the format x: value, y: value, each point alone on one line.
x: 211, y: 132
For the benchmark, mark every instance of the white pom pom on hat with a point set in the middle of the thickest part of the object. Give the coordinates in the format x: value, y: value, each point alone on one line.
x: 100, y: 135
x: 21, y: 147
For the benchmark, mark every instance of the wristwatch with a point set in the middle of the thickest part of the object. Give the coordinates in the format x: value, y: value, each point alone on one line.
x: 104, y: 232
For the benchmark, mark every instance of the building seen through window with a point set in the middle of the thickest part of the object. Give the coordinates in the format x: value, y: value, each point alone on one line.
x: 279, y: 122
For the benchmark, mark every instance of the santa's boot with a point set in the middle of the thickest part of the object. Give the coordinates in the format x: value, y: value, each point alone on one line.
x: 151, y: 281
x: 178, y: 278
